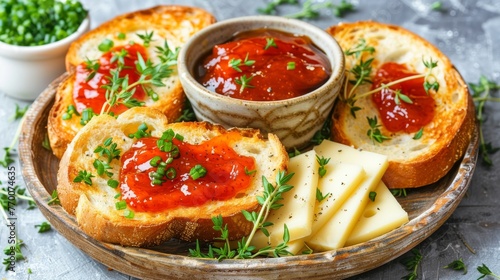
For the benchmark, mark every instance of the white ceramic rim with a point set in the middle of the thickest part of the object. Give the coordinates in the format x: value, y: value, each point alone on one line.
x: 337, y: 68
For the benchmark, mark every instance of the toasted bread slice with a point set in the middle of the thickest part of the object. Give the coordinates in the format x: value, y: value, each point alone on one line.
x: 412, y: 162
x: 171, y: 24
x: 94, y: 206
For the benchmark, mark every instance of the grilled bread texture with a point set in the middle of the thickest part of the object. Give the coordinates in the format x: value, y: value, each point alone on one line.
x: 171, y: 24
x: 413, y: 161
x: 94, y: 206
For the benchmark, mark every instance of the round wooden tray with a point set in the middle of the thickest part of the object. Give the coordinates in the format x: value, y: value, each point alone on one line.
x: 428, y: 208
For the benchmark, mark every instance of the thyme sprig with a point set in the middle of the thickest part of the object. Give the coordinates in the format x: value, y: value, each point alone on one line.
x: 486, y: 271
x: 270, y: 8
x: 481, y: 93
x: 360, y: 71
x: 374, y: 132
x: 311, y: 10
x: 120, y: 90
x: 411, y: 263
x: 457, y: 265
x: 270, y: 200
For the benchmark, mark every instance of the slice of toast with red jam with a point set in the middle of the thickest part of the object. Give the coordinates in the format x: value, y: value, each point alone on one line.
x: 153, y: 34
x: 136, y: 180
x: 424, y: 124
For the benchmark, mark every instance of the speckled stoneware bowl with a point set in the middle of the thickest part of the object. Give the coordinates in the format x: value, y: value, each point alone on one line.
x: 293, y: 120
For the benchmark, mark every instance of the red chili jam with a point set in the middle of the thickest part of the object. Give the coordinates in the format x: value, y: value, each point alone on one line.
x: 405, y: 116
x: 264, y: 65
x: 225, y: 174
x: 88, y: 93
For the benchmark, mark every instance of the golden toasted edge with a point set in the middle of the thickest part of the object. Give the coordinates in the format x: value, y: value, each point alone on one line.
x: 429, y: 169
x: 140, y: 17
x: 133, y: 233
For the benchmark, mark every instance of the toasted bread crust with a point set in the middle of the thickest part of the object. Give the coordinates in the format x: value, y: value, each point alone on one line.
x: 412, y: 163
x: 94, y: 207
x: 173, y: 24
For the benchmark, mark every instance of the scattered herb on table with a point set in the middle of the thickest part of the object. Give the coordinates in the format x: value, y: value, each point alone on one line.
x: 43, y: 227
x: 270, y: 8
x: 457, y: 265
x: 14, y: 254
x: 485, y: 271
x: 481, y: 93
x: 411, y: 263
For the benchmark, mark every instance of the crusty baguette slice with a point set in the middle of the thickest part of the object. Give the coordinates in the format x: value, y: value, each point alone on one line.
x: 94, y: 206
x: 412, y: 163
x: 173, y: 24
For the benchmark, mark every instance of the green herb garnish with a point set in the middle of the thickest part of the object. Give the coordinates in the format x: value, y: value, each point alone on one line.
x: 481, y: 93
x: 270, y: 8
x: 244, y: 82
x: 13, y: 250
x: 485, y: 271
x: 419, y: 134
x: 372, y: 195
x: 54, y: 198
x: 322, y: 161
x: 43, y: 227
x: 236, y: 63
x: 270, y: 199
x: 106, y: 45
x: 84, y: 176
x: 319, y: 195
x: 457, y: 265
x: 374, y: 132
x: 198, y: 171
x: 270, y: 43
x: 411, y: 263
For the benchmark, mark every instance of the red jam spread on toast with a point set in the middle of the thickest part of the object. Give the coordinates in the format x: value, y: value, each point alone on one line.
x: 400, y: 115
x: 226, y: 174
x: 88, y: 91
x: 264, y: 65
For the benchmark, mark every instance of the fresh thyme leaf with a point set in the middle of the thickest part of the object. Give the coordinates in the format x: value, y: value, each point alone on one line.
x: 250, y: 172
x: 398, y: 192
x: 142, y: 131
x: 359, y: 49
x: 84, y: 176
x: 485, y: 271
x: 290, y: 65
x: 244, y: 82
x: 235, y: 64
x: 319, y: 195
x: 19, y: 112
x: 270, y: 43
x: 481, y: 93
x: 270, y: 8
x: 102, y: 168
x: 437, y: 6
x: 109, y: 149
x: 457, y: 265
x: 7, y: 157
x: 372, y: 195
x: 400, y: 96
x: 13, y: 250
x: 374, y: 132
x: 43, y: 227
x: 419, y: 134
x: 322, y: 161
x: 147, y: 38
x: 295, y: 151
x: 54, y: 198
x: 105, y: 45
x: 411, y: 263
x: 46, y: 142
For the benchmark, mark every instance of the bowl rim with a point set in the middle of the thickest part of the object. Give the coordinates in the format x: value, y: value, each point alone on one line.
x: 82, y: 28
x: 336, y: 75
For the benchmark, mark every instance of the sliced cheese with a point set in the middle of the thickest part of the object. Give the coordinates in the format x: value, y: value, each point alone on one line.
x: 334, y: 233
x: 340, y: 180
x: 379, y: 217
x: 298, y: 203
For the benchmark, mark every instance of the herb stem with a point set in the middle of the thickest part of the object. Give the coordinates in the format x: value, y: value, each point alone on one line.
x: 263, y: 213
x: 387, y: 85
x: 24, y: 197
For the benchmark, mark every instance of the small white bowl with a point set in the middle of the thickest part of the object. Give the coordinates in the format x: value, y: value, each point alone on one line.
x: 293, y: 120
x: 25, y: 71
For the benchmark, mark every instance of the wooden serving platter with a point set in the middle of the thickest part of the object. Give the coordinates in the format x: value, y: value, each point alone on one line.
x: 428, y: 208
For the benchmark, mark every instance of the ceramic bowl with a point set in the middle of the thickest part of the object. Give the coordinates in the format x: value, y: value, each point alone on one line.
x: 293, y: 120
x: 25, y: 71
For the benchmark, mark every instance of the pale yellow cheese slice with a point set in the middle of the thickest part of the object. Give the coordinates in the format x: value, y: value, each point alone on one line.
x: 340, y: 180
x: 298, y: 203
x: 334, y: 233
x: 379, y: 217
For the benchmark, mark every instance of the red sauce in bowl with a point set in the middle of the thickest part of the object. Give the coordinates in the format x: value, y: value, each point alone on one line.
x: 407, y: 117
x: 264, y: 65
x: 89, y: 93
x: 225, y: 174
